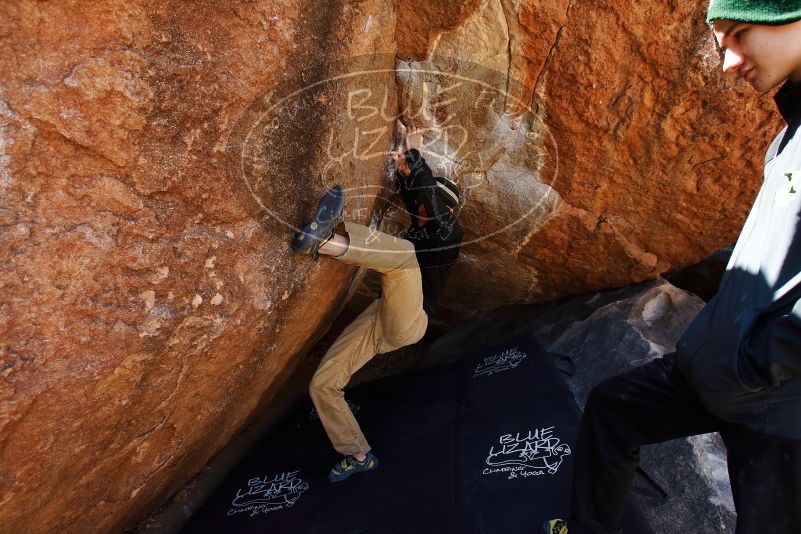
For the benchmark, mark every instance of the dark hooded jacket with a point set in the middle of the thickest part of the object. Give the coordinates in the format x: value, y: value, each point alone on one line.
x: 437, y: 242
x: 742, y: 354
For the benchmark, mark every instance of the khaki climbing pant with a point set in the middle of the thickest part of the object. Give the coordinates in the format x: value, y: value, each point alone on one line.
x: 393, y: 321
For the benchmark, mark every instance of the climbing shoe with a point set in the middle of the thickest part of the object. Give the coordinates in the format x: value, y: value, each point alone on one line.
x: 350, y: 465
x: 320, y: 229
x: 554, y: 526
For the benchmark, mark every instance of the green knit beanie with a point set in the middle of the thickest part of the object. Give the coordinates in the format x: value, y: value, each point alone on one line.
x: 755, y: 11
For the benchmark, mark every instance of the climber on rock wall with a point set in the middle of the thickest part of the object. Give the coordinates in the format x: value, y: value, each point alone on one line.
x: 737, y: 368
x: 413, y: 272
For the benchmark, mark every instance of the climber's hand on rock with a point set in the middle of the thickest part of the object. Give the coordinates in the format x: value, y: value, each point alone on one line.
x: 401, y: 165
x: 414, y: 138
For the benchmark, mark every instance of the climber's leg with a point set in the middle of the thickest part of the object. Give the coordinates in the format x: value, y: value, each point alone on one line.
x: 402, y: 319
x: 357, y: 344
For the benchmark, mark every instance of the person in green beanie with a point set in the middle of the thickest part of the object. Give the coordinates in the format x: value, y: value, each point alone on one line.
x: 737, y: 368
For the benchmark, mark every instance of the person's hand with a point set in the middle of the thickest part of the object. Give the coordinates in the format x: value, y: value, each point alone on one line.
x: 414, y: 138
x: 401, y: 165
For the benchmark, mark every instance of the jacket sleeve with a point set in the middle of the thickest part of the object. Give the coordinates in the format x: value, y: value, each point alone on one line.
x: 771, y: 352
x: 407, y: 194
x: 426, y: 189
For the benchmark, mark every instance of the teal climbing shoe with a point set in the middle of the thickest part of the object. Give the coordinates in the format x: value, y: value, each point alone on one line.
x: 350, y: 465
x: 554, y: 526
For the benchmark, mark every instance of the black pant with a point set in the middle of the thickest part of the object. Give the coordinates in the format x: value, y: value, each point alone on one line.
x: 654, y: 403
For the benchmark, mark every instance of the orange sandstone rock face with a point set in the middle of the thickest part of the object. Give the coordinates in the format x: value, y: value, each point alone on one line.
x: 422, y: 22
x: 154, y: 159
x: 597, y: 142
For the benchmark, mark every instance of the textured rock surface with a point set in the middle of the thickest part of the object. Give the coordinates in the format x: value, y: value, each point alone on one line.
x: 154, y: 157
x: 702, y: 278
x: 597, y: 142
x: 149, y: 301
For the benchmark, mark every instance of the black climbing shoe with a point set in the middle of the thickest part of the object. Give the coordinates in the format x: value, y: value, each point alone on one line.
x: 320, y: 229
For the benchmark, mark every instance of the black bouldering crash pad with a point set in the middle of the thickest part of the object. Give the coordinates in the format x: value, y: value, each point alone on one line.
x: 484, y: 444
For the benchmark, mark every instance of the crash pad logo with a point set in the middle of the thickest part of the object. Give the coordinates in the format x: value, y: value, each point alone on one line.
x: 533, y: 453
x: 508, y: 359
x: 268, y: 494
